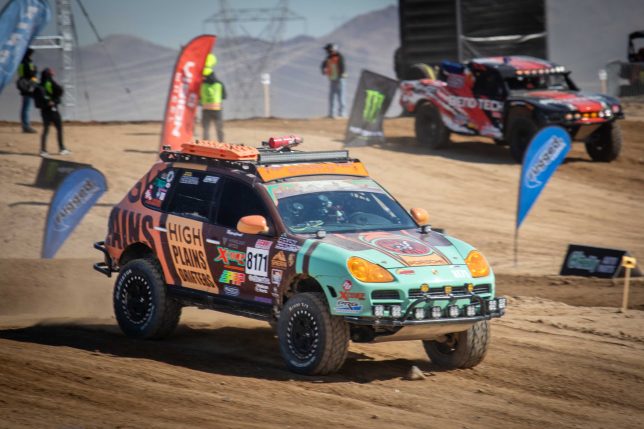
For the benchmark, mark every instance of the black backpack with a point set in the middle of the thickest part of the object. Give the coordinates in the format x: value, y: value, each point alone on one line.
x: 39, y: 96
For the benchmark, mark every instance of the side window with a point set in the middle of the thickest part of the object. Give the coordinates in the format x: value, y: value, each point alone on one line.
x: 239, y: 200
x: 193, y: 194
x: 155, y: 193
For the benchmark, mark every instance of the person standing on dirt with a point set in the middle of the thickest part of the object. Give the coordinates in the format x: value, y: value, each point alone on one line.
x: 47, y: 96
x: 212, y: 95
x: 333, y: 68
x: 27, y: 81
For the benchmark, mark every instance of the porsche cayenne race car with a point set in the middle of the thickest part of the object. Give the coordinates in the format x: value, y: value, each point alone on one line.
x: 303, y: 240
x: 509, y: 99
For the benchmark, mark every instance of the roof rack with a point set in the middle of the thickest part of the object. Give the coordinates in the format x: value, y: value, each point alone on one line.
x: 255, y: 160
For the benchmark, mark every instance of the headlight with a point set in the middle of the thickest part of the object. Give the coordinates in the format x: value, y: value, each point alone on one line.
x: 615, y: 108
x: 368, y: 272
x: 477, y: 264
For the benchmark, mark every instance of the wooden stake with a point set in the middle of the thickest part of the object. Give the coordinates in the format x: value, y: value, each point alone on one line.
x: 628, y: 262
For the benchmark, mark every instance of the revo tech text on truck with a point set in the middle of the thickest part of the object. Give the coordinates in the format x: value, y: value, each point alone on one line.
x: 509, y: 99
x: 304, y: 240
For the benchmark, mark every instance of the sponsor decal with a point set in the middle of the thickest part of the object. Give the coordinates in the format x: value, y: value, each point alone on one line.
x: 406, y: 249
x: 189, y: 179
x: 259, y: 279
x: 231, y: 290
x: 372, y: 105
x: 347, y: 285
x: 288, y: 244
x: 474, y: 103
x: 263, y: 299
x: 276, y: 276
x: 263, y: 244
x: 460, y: 273
x: 279, y: 260
x: 234, y: 243
x: 256, y: 261
x: 232, y: 277
x: 579, y: 261
x: 260, y: 288
x: 211, y: 179
x: 186, y: 243
x: 234, y: 233
x: 540, y: 163
x: 348, y: 307
x: 228, y: 256
x: 352, y: 295
x: 455, y: 81
x: 406, y: 271
x: 127, y: 227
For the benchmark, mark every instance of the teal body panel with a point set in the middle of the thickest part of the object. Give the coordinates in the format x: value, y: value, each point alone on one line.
x: 347, y: 296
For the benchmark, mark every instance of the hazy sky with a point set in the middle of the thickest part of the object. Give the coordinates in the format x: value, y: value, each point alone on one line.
x: 174, y: 22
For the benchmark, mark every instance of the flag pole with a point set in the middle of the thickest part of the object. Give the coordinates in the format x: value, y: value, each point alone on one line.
x: 516, y: 246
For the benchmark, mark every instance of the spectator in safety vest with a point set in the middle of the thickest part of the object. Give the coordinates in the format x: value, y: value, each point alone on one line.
x: 47, y: 96
x: 27, y: 80
x: 213, y: 93
x: 333, y: 68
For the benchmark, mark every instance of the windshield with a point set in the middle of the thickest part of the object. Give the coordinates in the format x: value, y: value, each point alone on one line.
x: 346, y: 205
x: 538, y: 83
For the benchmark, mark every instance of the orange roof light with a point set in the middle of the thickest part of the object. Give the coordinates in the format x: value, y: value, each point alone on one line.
x: 217, y: 150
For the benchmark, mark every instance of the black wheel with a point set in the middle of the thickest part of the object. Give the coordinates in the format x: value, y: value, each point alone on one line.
x: 311, y: 340
x: 462, y: 349
x: 430, y: 129
x: 605, y: 144
x: 141, y: 304
x: 520, y: 131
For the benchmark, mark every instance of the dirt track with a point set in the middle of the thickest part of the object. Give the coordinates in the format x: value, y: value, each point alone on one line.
x: 563, y: 356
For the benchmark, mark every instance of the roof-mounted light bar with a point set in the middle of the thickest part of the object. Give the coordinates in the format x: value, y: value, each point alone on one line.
x: 294, y: 157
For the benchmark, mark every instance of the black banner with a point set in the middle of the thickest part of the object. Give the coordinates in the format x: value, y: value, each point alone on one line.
x: 372, y: 99
x: 53, y: 171
x: 590, y: 261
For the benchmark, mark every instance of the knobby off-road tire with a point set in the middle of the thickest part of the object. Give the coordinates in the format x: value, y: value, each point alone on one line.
x: 430, y: 129
x: 312, y: 341
x: 521, y: 129
x: 141, y: 304
x: 462, y: 349
x: 605, y: 144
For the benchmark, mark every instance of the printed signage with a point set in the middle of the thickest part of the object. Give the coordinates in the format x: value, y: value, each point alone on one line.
x: 546, y: 151
x: 74, y: 197
x: 20, y: 22
x: 53, y: 171
x: 372, y: 99
x: 593, y: 262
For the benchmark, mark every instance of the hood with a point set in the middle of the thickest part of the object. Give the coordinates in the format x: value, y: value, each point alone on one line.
x: 397, y: 249
x: 572, y: 100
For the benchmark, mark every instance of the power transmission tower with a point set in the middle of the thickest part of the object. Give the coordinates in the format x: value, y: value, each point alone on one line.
x: 245, y: 56
x: 65, y: 42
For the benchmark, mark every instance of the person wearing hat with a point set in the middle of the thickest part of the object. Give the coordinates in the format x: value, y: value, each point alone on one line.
x: 212, y: 94
x: 26, y: 83
x: 48, y: 96
x: 333, y: 68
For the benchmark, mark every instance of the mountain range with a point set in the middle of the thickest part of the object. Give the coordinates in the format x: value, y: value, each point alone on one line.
x: 126, y: 78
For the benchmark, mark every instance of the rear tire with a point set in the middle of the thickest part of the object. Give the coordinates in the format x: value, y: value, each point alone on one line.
x: 430, y: 129
x: 521, y: 129
x: 312, y: 341
x: 462, y: 349
x: 141, y: 304
x: 605, y: 144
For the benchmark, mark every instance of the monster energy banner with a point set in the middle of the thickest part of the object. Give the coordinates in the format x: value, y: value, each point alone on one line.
x: 372, y: 99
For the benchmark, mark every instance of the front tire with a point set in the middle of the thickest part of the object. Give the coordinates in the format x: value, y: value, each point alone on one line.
x: 312, y: 341
x: 605, y: 144
x: 430, y: 129
x: 141, y: 304
x: 461, y: 349
x: 520, y: 132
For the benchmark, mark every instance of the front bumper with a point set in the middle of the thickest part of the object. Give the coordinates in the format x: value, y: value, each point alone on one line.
x: 407, y: 319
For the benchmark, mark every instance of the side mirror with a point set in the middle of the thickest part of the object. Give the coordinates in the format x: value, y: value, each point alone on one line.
x: 420, y: 216
x: 254, y: 224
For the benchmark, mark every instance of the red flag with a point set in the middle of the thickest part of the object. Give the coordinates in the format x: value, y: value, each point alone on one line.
x: 179, y: 118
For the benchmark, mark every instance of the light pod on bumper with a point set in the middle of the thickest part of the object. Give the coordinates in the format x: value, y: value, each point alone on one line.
x: 379, y: 310
x: 470, y: 311
x: 502, y: 303
x: 491, y: 305
x: 419, y: 313
x: 395, y: 311
x: 452, y: 310
x: 437, y: 312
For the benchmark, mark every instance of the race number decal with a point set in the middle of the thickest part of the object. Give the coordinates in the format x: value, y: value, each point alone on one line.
x: 256, y: 261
